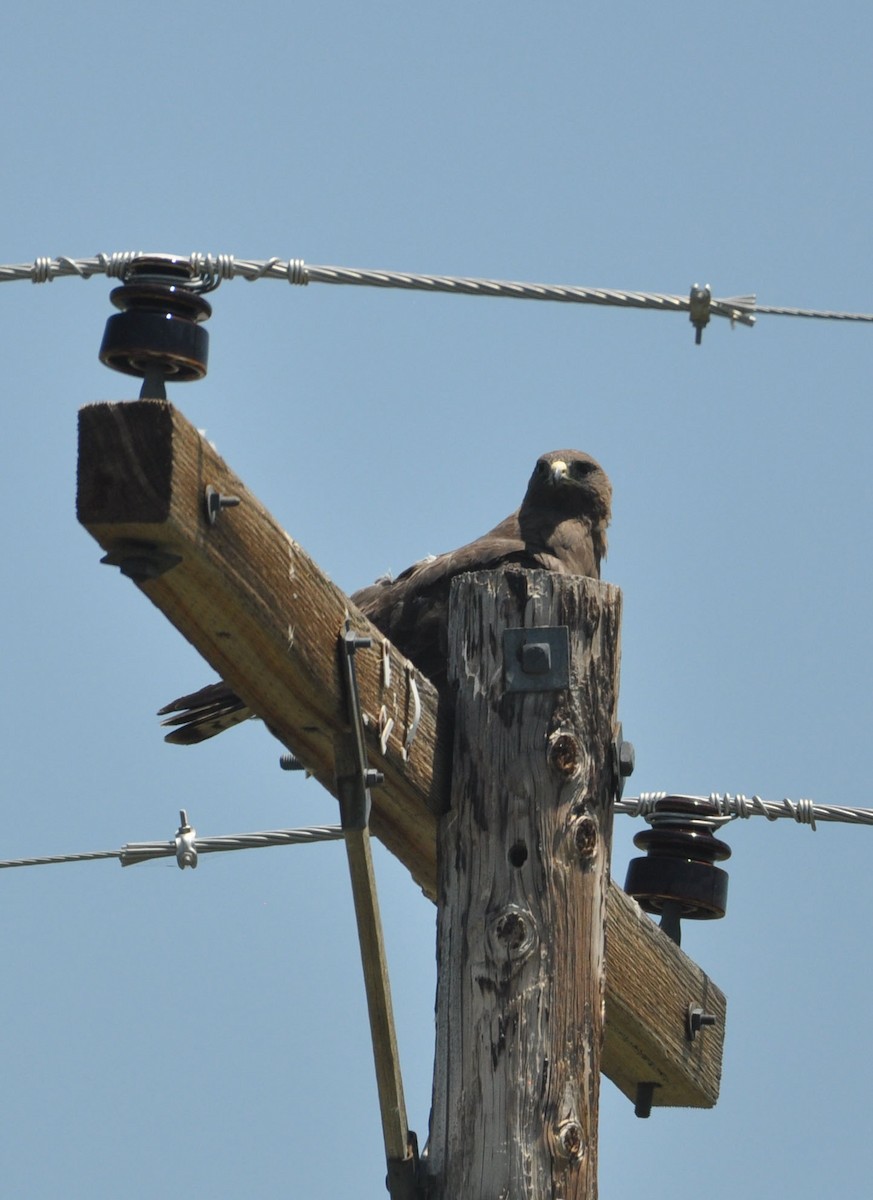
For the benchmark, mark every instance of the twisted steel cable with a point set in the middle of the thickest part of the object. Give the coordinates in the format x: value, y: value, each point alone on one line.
x: 738, y: 806
x: 136, y: 852
x: 218, y: 267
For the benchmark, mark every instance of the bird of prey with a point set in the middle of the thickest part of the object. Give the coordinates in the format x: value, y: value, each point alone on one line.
x: 560, y: 526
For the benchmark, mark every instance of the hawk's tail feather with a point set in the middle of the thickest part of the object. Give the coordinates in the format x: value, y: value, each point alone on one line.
x: 203, y: 714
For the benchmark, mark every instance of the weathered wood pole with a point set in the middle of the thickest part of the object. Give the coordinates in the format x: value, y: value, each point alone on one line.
x: 523, y: 871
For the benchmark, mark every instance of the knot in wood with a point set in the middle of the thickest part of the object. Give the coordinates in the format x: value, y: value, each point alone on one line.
x: 564, y: 754
x: 510, y: 929
x: 585, y: 838
x: 570, y: 1140
x: 511, y: 934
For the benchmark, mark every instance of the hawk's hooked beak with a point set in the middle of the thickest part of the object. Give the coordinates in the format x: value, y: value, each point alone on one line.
x: 559, y: 471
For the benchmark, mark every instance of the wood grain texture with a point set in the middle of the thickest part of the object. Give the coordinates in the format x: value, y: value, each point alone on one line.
x: 650, y: 985
x: 523, y: 867
x: 258, y: 609
x: 267, y: 619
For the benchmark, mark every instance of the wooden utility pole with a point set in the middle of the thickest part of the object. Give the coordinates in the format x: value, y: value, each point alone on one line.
x: 523, y: 871
x: 268, y: 620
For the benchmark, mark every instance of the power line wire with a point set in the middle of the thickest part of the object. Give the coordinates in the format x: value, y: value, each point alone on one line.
x: 804, y: 812
x: 213, y: 269
x: 187, y: 842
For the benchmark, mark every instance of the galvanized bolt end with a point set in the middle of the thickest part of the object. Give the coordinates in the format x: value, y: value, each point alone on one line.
x: 215, y: 502
x: 696, y: 1019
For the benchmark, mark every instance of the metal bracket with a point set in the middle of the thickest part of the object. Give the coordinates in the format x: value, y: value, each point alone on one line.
x: 354, y: 780
x: 537, y: 659
x: 403, y: 1180
x: 186, y: 842
x: 354, y: 789
x: 699, y: 307
x: 140, y: 561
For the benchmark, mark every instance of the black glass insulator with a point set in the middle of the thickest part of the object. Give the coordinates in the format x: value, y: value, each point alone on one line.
x: 158, y: 334
x: 678, y: 876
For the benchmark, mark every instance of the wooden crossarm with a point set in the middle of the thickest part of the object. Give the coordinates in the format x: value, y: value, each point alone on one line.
x: 267, y: 619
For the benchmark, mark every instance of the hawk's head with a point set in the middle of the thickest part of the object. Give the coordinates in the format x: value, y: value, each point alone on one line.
x: 568, y: 486
x: 573, y: 482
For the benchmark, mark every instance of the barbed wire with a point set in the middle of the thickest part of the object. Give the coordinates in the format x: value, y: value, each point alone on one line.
x: 804, y: 812
x: 700, y: 304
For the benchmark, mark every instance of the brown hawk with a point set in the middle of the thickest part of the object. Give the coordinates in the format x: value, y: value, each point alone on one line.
x: 560, y: 526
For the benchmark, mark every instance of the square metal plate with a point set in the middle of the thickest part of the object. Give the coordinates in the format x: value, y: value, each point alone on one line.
x: 537, y: 659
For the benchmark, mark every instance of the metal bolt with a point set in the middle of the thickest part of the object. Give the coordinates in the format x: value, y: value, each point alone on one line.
x: 215, y: 502
x: 699, y: 302
x: 186, y: 848
x: 623, y: 761
x: 696, y: 1019
x: 645, y: 1096
x: 626, y: 759
x: 356, y: 641
x: 536, y: 658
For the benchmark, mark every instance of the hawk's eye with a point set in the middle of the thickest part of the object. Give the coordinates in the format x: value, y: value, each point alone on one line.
x: 580, y: 468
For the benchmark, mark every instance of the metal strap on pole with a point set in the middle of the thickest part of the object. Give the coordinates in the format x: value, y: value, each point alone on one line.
x: 354, y: 780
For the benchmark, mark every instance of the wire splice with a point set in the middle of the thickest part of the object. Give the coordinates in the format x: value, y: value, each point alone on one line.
x: 700, y: 302
x: 186, y: 843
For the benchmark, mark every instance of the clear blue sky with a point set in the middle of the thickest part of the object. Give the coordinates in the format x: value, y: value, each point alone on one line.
x: 203, y: 1033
